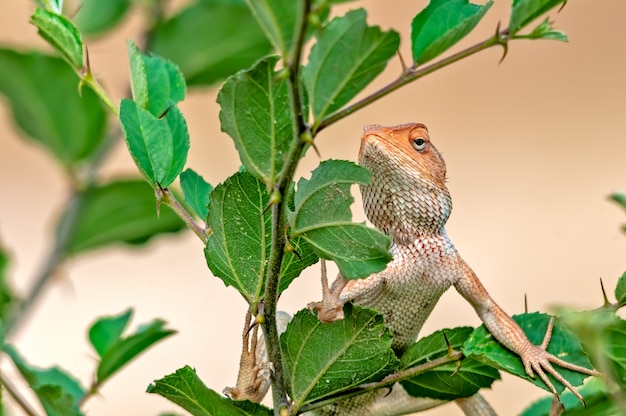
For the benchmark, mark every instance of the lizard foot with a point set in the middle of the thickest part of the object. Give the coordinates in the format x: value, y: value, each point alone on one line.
x: 539, y: 361
x: 330, y: 308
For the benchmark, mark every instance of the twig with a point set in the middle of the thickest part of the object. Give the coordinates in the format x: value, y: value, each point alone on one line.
x: 17, y: 397
x: 410, y: 75
x: 387, y: 381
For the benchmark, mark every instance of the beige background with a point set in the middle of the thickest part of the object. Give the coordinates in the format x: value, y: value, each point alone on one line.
x: 533, y: 145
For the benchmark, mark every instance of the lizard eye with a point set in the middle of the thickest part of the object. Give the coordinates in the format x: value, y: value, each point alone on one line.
x: 419, y: 144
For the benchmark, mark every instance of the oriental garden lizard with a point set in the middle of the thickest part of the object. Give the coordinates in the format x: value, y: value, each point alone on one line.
x: 408, y: 200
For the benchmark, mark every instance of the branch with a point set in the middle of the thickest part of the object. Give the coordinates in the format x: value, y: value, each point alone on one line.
x: 279, y: 219
x: 387, y: 381
x: 413, y: 73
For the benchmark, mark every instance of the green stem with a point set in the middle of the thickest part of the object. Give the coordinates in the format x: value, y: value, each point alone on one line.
x: 279, y: 219
x: 411, y: 74
x: 17, y: 397
x: 387, y: 381
x: 168, y: 197
x: 91, y: 81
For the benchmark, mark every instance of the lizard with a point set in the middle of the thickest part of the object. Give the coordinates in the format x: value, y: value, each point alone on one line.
x: 408, y: 200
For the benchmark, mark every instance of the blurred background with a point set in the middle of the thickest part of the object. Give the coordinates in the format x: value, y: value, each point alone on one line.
x: 534, y: 146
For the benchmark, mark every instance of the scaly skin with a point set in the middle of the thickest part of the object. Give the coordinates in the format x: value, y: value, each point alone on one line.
x: 408, y: 200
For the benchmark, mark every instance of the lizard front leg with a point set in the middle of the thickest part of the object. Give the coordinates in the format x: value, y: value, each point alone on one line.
x: 535, y: 358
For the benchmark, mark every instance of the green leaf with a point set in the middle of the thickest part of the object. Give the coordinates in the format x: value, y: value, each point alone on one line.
x: 58, y: 392
x: 280, y: 20
x: 61, y: 34
x: 7, y: 296
x: 482, y: 346
x: 185, y: 389
x: 545, y: 31
x: 238, y: 249
x: 159, y: 146
x: 446, y: 382
x: 620, y: 290
x: 196, y: 191
x: 525, y: 11
x: 211, y: 40
x: 97, y: 16
x: 156, y: 83
x: 107, y: 331
x: 116, y: 351
x: 256, y: 113
x: 70, y: 126
x: 620, y: 198
x: 322, y: 217
x: 598, y: 402
x: 347, y: 56
x: 121, y: 211
x: 324, y: 359
x: 442, y: 24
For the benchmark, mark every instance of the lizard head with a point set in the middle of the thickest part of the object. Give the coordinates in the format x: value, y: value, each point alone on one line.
x: 407, y: 196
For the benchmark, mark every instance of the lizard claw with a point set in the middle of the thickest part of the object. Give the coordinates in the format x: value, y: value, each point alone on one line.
x: 537, y: 360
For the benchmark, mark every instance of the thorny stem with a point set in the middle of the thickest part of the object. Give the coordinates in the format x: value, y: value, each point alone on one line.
x: 279, y: 210
x: 17, y: 397
x: 411, y: 74
x: 387, y: 381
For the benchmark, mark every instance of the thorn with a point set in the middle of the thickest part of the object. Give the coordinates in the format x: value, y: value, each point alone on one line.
x: 259, y: 319
x: 525, y: 303
x: 389, y: 389
x: 505, y: 46
x: 456, y: 370
x: 561, y: 8
x: 308, y: 139
x: 254, y: 323
x: 274, y: 199
x: 288, y: 246
x: 606, y: 299
x: 501, y: 41
x: 405, y: 68
x: 317, y: 151
x: 164, y: 113
x: 445, y: 337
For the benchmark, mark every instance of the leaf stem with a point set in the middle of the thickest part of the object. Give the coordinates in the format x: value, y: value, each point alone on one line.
x: 385, y: 382
x: 166, y: 196
x: 279, y: 219
x: 411, y: 74
x: 17, y: 397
